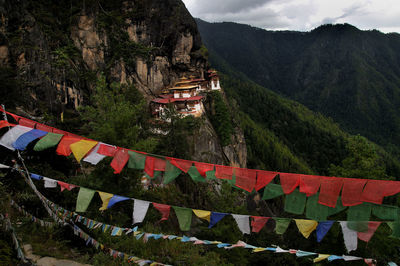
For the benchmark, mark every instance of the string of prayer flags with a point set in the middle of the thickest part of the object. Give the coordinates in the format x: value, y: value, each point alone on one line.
x: 195, y: 174
x: 66, y: 186
x: 330, y: 190
x: 306, y: 227
x: 272, y: 191
x: 242, y: 222
x: 246, y: 178
x: 366, y: 236
x: 94, y: 157
x: 264, y: 178
x: 184, y: 216
x: 140, y: 208
x: 295, y: 202
x: 309, y: 184
x: 48, y: 141
x: 105, y: 197
x: 84, y: 198
x: 28, y: 137
x: 289, y: 182
x: 224, y: 172
x: 116, y: 199
x: 281, y: 225
x: 349, y: 236
x: 81, y: 148
x: 206, y: 215
x: 351, y: 192
x: 121, y: 157
x: 322, y: 229
x: 203, y: 168
x: 63, y: 147
x: 215, y: 218
x: 171, y: 172
x: 257, y: 223
x: 375, y: 190
x: 183, y: 165
x: 49, y: 183
x: 163, y: 209
x: 12, y: 135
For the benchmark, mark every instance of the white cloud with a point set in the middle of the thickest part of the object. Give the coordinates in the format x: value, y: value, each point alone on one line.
x: 301, y: 15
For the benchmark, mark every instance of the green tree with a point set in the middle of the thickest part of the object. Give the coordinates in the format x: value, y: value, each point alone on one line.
x: 362, y: 161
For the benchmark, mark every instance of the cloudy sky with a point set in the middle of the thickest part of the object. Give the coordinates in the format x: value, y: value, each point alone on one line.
x: 302, y: 15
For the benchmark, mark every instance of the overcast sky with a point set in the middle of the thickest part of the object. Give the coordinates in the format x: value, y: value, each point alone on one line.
x: 302, y: 15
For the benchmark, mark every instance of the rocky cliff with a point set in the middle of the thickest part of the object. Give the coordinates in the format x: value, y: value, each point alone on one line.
x: 51, y: 54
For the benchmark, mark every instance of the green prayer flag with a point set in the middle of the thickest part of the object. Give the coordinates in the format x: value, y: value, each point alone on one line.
x: 395, y: 226
x: 358, y: 217
x: 210, y: 175
x: 295, y: 202
x: 184, y: 217
x: 84, y: 198
x: 195, y: 175
x: 136, y: 160
x: 48, y: 141
x: 171, y: 172
x: 281, y: 225
x: 385, y: 212
x: 272, y: 191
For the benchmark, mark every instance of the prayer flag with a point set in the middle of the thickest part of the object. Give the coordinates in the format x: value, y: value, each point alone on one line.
x: 322, y: 229
x: 121, y: 157
x: 330, y: 190
x: 309, y: 184
x: 49, y: 183
x: 224, y: 172
x: 184, y: 216
x: 140, y: 208
x: 63, y: 147
x: 281, y: 225
x: 264, y: 178
x: 366, y: 236
x: 94, y: 157
x: 295, y: 202
x: 350, y: 237
x: 300, y: 253
x: 257, y: 223
x: 35, y: 176
x: 352, y: 189
x: 48, y: 141
x: 107, y: 150
x: 306, y: 227
x: 184, y: 165
x: 64, y: 185
x: 116, y: 199
x: 203, y: 168
x: 242, y: 222
x: 105, y: 197
x: 85, y: 195
x: 321, y: 257
x: 163, y: 209
x: 81, y: 148
x: 246, y: 178
x: 171, y: 172
x: 12, y: 135
x: 272, y: 191
x: 136, y: 160
x: 289, y: 182
x: 28, y: 137
x: 385, y: 212
x: 206, y: 215
x: 215, y: 218
x: 195, y: 175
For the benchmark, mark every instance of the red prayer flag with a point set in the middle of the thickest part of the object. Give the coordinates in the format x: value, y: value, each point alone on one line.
x: 257, y: 223
x: 366, y: 236
x: 264, y: 178
x: 184, y: 165
x: 246, y: 178
x: 64, y: 185
x: 121, y: 157
x: 223, y: 172
x: 330, y: 190
x: 352, y: 190
x: 63, y: 147
x: 107, y: 150
x: 149, y: 166
x: 26, y: 122
x: 289, y: 182
x: 375, y: 190
x: 309, y: 184
x: 159, y: 164
x: 202, y: 168
x: 163, y: 209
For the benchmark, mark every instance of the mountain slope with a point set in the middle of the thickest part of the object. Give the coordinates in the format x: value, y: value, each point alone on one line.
x: 350, y: 75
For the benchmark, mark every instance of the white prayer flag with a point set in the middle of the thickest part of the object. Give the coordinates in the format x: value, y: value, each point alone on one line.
x: 49, y: 183
x: 242, y: 222
x: 94, y: 157
x: 140, y: 208
x: 350, y: 237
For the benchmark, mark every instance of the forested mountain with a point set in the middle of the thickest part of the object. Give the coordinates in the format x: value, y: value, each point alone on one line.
x: 340, y: 71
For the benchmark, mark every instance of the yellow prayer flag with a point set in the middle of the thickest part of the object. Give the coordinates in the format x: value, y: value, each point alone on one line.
x: 306, y: 227
x: 321, y: 257
x: 81, y: 148
x: 119, y: 233
x: 105, y: 197
x: 258, y: 249
x: 203, y: 214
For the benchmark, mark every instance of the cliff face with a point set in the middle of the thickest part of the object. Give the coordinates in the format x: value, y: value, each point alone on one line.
x: 51, y: 54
